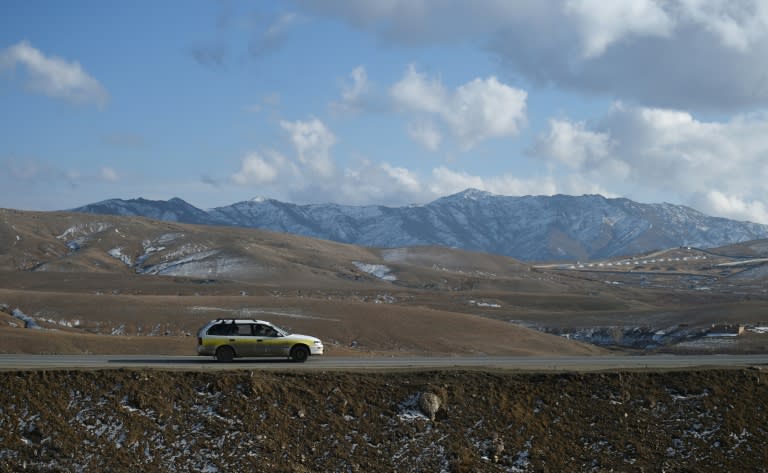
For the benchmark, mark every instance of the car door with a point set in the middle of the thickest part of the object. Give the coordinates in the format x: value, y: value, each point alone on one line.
x: 273, y: 344
x: 244, y: 342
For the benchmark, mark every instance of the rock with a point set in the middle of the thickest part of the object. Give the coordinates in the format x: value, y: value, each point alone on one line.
x: 497, y: 447
x: 429, y: 403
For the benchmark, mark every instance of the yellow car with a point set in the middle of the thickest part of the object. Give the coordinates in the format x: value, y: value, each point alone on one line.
x: 226, y: 339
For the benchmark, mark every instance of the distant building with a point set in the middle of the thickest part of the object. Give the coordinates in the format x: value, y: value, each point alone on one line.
x: 726, y: 330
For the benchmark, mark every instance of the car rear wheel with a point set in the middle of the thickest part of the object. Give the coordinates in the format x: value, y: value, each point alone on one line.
x: 225, y: 354
x: 299, y: 353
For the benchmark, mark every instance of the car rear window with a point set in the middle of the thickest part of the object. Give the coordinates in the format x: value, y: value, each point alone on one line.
x: 222, y: 329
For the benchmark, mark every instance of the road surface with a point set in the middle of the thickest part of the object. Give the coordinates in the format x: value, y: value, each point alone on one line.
x: 329, y: 363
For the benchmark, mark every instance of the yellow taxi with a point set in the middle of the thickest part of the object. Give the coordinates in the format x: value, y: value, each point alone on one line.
x: 227, y: 339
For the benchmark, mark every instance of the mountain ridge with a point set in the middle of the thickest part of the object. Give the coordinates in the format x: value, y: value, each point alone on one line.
x: 529, y: 228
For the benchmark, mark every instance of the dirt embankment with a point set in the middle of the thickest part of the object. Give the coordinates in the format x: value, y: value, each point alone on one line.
x: 125, y: 421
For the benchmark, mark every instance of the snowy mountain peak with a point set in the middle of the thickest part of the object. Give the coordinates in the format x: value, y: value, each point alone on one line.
x: 470, y: 194
x: 474, y: 194
x: 530, y: 228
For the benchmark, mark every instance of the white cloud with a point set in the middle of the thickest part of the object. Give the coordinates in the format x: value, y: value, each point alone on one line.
x: 416, y: 92
x: 313, y: 142
x: 108, y: 174
x: 425, y: 133
x: 355, y: 93
x: 602, y: 23
x: 484, y: 109
x: 572, y: 144
x: 683, y: 54
x: 651, y: 154
x: 403, y: 178
x: 476, y: 111
x: 736, y: 207
x: 447, y: 181
x: 254, y: 169
x: 351, y: 93
x: 738, y: 25
x: 53, y: 76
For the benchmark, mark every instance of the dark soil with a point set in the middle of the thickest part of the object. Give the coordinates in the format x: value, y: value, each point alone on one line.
x: 127, y: 421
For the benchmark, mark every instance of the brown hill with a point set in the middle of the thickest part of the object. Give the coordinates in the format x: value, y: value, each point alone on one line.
x: 99, y: 280
x: 112, y: 284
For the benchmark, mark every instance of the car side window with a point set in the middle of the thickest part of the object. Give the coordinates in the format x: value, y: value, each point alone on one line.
x: 262, y: 330
x: 243, y: 329
x: 221, y: 329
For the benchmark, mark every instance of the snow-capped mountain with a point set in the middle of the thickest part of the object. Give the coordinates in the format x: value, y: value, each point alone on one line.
x: 530, y: 228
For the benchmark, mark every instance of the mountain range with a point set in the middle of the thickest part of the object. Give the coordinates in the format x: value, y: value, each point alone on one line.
x: 529, y: 228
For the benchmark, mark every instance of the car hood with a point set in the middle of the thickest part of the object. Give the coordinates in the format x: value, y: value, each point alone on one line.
x: 298, y: 336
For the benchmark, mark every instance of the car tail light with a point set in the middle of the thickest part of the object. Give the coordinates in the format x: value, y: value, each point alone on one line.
x: 199, y: 340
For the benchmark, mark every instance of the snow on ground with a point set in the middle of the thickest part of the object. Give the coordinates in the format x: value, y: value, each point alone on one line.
x: 376, y: 270
x: 492, y: 305
x: 29, y: 322
x: 117, y: 253
x: 84, y: 229
x: 247, y: 312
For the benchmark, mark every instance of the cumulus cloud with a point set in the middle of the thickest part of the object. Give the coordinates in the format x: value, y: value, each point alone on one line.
x: 313, y: 142
x: 415, y: 91
x: 366, y: 183
x: 447, y: 181
x: 53, y: 76
x: 572, y: 144
x: 476, y: 111
x: 736, y: 207
x: 644, y: 152
x: 601, y: 23
x: 682, y: 54
x: 254, y: 169
x: 355, y: 93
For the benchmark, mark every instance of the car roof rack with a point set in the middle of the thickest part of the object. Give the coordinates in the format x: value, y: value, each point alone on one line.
x: 234, y: 319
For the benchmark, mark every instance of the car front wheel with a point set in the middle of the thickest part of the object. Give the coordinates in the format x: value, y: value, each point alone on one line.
x: 299, y: 353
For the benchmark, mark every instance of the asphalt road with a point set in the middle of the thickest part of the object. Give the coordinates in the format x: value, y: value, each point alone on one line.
x: 328, y: 363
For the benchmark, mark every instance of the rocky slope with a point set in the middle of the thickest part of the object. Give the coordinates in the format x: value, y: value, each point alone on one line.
x: 454, y: 421
x: 530, y: 228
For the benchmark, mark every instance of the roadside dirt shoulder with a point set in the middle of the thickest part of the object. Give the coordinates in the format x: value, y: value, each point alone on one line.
x: 456, y: 421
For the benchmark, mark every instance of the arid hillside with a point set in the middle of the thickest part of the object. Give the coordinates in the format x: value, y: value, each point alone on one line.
x: 108, y: 284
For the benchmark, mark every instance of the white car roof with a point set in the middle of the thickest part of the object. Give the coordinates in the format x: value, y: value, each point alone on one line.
x: 239, y: 321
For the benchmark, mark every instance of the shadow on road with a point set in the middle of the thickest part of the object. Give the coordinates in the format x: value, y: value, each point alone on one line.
x: 201, y: 361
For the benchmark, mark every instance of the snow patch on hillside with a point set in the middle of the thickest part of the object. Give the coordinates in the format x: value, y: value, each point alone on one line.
x: 376, y: 270
x: 117, y: 253
x: 84, y: 229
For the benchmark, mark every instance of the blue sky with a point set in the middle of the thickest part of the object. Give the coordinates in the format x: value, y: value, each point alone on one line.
x: 387, y: 102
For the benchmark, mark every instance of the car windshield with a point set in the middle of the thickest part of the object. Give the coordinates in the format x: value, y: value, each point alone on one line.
x: 280, y: 331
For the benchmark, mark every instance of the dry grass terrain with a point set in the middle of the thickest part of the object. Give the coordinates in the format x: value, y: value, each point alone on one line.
x: 106, y: 284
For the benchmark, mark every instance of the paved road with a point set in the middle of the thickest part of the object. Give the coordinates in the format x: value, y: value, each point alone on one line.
x: 328, y: 363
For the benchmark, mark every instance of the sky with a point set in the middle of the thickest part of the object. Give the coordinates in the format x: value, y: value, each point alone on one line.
x: 385, y: 102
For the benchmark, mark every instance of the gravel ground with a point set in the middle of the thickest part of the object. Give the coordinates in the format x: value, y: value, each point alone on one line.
x: 457, y: 421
